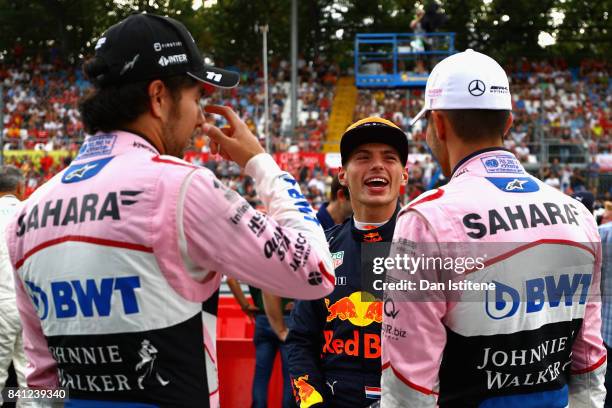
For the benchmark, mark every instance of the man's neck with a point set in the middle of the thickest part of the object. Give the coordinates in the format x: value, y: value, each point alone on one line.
x: 374, y: 214
x: 8, y: 194
x: 335, y: 212
x: 150, y: 133
x: 463, y: 150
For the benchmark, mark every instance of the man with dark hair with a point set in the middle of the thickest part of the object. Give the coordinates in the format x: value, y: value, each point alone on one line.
x: 334, y: 343
x: 12, y: 188
x: 115, y: 255
x: 338, y: 208
x: 531, y: 337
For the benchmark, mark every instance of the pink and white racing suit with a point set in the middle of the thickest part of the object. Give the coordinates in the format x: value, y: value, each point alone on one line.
x: 114, y: 256
x: 534, y: 339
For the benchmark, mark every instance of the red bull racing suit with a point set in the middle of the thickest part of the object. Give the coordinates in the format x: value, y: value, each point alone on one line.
x: 531, y: 341
x: 334, y: 343
x: 114, y: 256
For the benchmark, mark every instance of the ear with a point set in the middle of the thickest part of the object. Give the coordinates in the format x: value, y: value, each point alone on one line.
x: 404, y: 176
x: 157, y: 98
x: 508, y: 125
x: 439, y: 121
x: 342, y: 177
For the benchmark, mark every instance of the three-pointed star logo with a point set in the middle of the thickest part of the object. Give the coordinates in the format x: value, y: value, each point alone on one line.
x: 476, y: 87
x: 515, y: 184
x: 79, y: 173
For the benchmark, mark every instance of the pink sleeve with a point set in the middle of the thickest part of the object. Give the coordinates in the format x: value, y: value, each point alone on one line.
x: 411, y: 361
x: 588, y: 352
x: 41, y: 370
x: 283, y: 253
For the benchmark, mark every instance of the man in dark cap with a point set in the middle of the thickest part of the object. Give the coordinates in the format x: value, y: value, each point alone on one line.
x: 334, y: 343
x: 115, y: 255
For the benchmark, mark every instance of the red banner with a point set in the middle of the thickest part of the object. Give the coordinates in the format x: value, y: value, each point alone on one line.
x: 292, y: 161
x: 286, y: 161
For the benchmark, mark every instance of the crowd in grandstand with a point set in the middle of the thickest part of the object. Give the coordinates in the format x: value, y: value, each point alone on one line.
x: 568, y: 108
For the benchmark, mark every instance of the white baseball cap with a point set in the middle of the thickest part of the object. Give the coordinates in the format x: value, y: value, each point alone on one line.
x: 466, y: 80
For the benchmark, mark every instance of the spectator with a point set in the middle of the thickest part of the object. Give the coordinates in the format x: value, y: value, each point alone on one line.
x: 11, y: 342
x: 593, y: 175
x: 338, y: 208
x: 522, y: 152
x: 577, y: 182
x: 586, y: 198
x: 605, y: 231
x: 566, y: 176
x: 553, y: 180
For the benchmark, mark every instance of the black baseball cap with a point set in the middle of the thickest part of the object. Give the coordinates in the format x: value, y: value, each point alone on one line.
x: 148, y: 46
x: 586, y: 198
x: 373, y: 130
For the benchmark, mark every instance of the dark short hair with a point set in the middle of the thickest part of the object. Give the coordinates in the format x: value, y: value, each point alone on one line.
x: 112, y: 107
x: 477, y: 124
x: 10, y: 177
x: 335, y: 187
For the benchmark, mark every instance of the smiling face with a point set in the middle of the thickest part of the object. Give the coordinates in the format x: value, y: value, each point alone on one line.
x: 373, y: 174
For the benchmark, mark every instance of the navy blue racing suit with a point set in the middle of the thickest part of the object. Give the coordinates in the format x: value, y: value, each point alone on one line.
x: 334, y: 342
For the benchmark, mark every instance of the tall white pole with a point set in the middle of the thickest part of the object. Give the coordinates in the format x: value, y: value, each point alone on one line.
x: 294, y: 38
x: 1, y: 125
x: 264, y: 30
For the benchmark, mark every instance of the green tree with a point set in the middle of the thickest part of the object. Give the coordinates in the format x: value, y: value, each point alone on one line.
x: 70, y: 26
x: 226, y: 30
x: 586, y: 30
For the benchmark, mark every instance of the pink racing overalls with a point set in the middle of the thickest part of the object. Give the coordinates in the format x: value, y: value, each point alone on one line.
x: 531, y: 341
x: 114, y: 256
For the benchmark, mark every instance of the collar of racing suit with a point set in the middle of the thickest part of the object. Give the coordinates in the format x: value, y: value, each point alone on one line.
x: 146, y: 138
x: 384, y: 233
x: 467, y: 159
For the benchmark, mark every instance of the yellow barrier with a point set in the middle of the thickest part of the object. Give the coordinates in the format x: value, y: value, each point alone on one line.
x: 36, y: 155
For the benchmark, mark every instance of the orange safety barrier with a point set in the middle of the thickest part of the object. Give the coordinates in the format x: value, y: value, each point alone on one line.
x: 236, y: 358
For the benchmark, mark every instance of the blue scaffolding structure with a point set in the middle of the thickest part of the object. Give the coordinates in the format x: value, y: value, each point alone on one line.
x: 386, y: 60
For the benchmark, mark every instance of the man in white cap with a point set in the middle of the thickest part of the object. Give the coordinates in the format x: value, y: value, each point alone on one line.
x: 520, y: 327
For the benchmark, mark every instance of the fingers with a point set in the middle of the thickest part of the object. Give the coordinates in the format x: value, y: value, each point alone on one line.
x: 218, y: 138
x: 215, y: 134
x: 214, y: 147
x: 226, y: 112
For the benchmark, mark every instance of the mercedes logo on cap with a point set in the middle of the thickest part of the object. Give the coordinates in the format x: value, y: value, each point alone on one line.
x: 477, y: 87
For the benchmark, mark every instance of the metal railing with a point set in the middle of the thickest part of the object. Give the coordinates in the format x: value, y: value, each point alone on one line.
x: 395, y: 50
